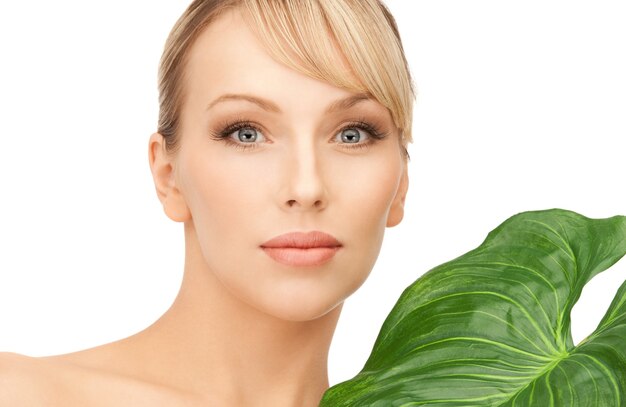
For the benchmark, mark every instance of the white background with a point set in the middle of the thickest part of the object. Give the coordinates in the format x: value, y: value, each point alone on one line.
x: 521, y: 106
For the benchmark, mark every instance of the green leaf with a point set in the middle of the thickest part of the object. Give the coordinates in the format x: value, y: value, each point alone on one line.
x: 492, y: 327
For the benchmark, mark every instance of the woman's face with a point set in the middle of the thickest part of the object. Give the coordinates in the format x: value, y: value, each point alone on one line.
x: 298, y: 163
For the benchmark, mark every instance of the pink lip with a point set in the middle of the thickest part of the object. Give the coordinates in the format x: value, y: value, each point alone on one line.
x: 302, y: 249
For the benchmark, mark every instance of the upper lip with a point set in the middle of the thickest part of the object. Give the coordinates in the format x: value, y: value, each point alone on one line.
x: 303, y: 240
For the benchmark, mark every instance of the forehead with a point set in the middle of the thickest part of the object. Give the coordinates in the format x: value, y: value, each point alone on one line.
x: 227, y: 57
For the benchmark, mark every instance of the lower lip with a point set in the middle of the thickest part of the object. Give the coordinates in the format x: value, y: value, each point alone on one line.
x: 292, y: 256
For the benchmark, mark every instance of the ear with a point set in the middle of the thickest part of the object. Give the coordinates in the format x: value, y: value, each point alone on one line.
x: 162, y: 168
x: 396, y: 212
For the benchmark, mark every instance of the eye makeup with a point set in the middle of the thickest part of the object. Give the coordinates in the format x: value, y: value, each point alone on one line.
x: 226, y: 129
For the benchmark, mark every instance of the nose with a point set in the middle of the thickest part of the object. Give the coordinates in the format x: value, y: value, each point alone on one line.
x: 303, y: 188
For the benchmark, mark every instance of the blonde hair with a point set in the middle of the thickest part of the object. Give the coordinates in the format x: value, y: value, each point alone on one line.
x: 305, y: 35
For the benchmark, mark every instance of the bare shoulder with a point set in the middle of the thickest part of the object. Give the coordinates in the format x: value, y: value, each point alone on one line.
x: 29, y: 381
x: 24, y: 382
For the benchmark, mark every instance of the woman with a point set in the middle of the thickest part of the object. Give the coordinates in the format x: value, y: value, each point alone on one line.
x: 282, y: 148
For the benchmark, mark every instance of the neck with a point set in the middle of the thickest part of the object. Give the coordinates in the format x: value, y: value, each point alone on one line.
x: 212, y: 343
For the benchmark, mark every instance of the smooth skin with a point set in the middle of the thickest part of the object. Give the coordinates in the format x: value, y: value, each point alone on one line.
x: 244, y: 329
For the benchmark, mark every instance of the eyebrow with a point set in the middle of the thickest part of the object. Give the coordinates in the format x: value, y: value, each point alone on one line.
x: 341, y: 104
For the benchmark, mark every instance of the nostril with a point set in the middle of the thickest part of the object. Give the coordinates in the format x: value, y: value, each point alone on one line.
x: 292, y: 202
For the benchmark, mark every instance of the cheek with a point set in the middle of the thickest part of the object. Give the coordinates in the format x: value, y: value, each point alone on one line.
x: 222, y: 195
x: 366, y: 192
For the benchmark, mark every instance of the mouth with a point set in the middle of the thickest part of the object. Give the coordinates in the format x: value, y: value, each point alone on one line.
x: 302, y: 249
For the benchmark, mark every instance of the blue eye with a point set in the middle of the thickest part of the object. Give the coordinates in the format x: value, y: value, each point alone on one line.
x: 350, y: 135
x: 243, y: 135
x: 247, y: 135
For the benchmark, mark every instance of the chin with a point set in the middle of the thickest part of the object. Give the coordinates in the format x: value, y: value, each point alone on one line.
x: 304, y: 308
x: 307, y: 299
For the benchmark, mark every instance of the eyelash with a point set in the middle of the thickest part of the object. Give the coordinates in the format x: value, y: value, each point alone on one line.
x: 228, y: 128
